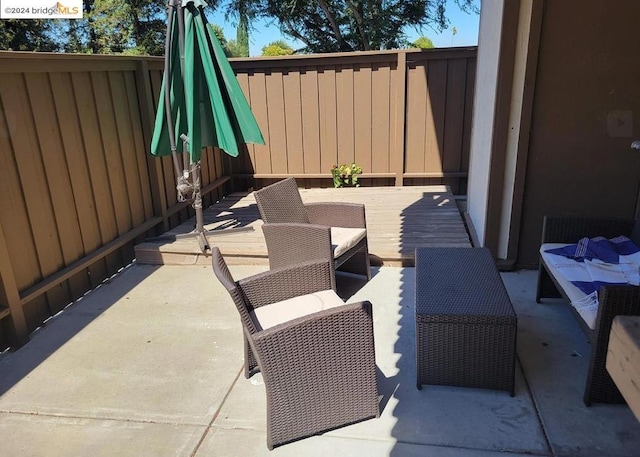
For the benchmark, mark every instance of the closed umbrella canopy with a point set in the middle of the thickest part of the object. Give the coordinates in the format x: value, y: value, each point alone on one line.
x: 206, y: 101
x: 201, y: 103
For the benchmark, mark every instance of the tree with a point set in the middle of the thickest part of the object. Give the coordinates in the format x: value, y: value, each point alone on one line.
x: 27, y: 35
x: 352, y: 25
x: 277, y: 48
x: 217, y: 30
x: 134, y: 26
x: 242, y: 34
x: 423, y: 43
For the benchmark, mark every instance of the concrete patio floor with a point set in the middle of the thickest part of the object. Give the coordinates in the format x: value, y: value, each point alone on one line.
x: 150, y: 364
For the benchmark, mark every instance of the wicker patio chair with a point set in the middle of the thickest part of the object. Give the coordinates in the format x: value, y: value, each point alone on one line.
x: 613, y: 300
x: 295, y: 231
x: 315, y: 352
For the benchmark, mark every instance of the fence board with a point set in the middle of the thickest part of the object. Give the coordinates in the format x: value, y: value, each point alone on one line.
x: 437, y: 90
x: 417, y: 127
x: 140, y: 151
x: 112, y: 152
x: 13, y: 210
x: 363, y: 132
x: 59, y: 188
x: 328, y: 118
x: 454, y: 118
x: 277, y: 128
x: 248, y: 155
x: 345, y: 114
x: 33, y: 180
x: 258, y: 93
x: 381, y: 119
x: 126, y: 145
x: 309, y: 106
x: 75, y: 154
x: 293, y: 121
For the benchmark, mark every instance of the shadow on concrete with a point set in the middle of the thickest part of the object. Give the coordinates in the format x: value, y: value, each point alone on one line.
x: 16, y: 365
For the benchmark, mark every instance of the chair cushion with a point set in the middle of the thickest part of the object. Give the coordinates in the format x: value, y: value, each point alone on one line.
x: 343, y: 239
x: 556, y: 265
x: 276, y: 313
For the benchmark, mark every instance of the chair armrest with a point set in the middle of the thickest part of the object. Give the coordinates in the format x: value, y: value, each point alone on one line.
x: 321, y: 342
x: 337, y: 214
x: 569, y: 229
x: 614, y: 301
x: 292, y: 243
x: 283, y: 283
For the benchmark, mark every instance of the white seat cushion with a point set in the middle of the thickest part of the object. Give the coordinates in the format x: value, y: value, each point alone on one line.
x: 276, y: 313
x: 343, y: 239
x: 556, y: 264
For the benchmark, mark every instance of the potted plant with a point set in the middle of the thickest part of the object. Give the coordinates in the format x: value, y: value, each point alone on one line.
x: 346, y: 175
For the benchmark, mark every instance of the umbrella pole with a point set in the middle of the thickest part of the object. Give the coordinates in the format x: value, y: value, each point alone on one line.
x: 197, y: 205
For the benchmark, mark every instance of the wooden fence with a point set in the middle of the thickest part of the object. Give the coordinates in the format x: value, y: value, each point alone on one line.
x: 78, y: 188
x: 404, y: 116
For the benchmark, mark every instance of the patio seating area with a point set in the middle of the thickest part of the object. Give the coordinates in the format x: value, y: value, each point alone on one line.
x: 152, y: 362
x: 148, y: 365
x: 399, y: 219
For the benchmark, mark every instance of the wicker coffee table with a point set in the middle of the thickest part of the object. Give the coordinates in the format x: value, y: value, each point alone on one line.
x: 465, y: 323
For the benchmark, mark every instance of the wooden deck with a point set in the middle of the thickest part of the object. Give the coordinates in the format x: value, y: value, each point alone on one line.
x: 399, y: 219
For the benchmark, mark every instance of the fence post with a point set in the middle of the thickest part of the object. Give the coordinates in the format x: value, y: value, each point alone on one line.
x: 147, y: 118
x: 399, y: 118
x: 10, y: 296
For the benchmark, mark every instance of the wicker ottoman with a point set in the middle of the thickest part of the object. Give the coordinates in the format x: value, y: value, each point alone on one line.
x: 465, y: 323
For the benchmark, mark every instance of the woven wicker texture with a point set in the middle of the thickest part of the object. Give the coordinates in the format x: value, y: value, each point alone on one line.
x: 465, y: 323
x: 281, y: 202
x: 288, y: 240
x: 613, y: 300
x: 319, y: 370
x: 289, y: 243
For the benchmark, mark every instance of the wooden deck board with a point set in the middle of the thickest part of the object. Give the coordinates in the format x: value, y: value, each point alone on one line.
x: 399, y: 219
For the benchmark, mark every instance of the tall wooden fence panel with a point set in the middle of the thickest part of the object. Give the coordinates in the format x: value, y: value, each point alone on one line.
x: 77, y: 185
x: 404, y: 116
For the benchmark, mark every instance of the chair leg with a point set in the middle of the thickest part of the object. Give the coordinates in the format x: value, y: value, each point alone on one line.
x: 545, y: 287
x: 359, y: 263
x: 250, y: 362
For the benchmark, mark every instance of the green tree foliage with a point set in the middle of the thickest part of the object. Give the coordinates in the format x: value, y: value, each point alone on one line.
x: 353, y: 25
x: 139, y: 26
x: 27, y: 35
x: 242, y: 34
x: 277, y: 48
x: 231, y: 48
x: 108, y: 27
x: 132, y: 26
x: 219, y: 34
x: 423, y: 43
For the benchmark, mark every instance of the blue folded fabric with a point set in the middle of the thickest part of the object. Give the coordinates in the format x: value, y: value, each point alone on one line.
x: 591, y: 287
x: 599, y: 248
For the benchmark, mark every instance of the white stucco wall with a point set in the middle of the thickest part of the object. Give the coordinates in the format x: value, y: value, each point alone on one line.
x: 515, y: 118
x: 483, y: 114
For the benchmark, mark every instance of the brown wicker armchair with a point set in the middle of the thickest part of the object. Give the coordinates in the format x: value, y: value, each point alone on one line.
x: 296, y: 232
x: 613, y: 300
x: 316, y: 354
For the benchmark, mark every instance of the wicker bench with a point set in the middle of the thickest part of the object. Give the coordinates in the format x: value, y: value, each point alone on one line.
x: 465, y: 323
x: 613, y: 300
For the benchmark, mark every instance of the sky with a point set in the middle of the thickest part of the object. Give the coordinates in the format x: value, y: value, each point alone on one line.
x: 265, y: 31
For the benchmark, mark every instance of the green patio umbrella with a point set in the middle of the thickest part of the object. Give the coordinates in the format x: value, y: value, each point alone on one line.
x: 201, y: 102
